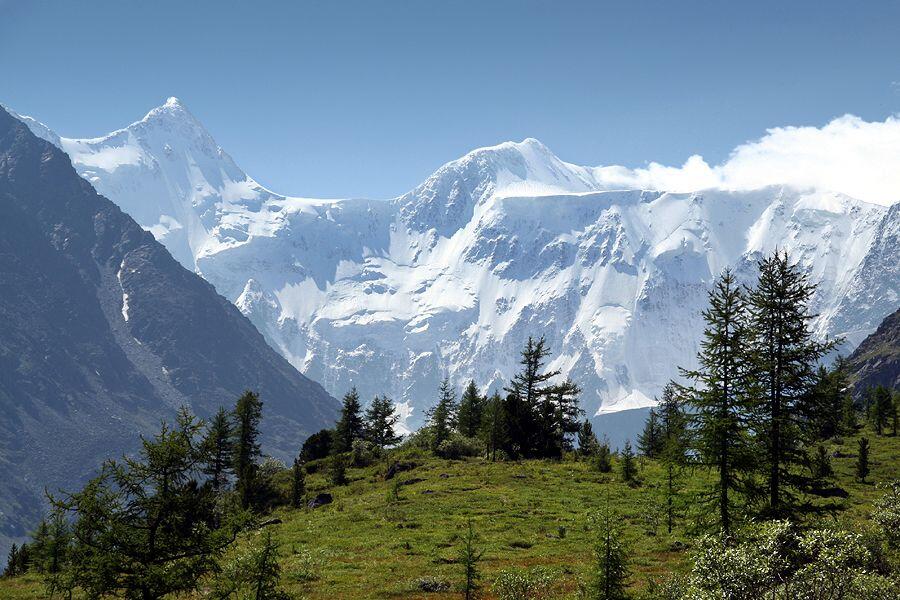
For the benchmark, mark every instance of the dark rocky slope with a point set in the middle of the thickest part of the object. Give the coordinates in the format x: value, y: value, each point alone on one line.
x: 103, y: 333
x: 877, y: 359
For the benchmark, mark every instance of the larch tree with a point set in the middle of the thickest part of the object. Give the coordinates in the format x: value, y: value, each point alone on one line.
x: 380, y: 420
x: 218, y: 450
x: 471, y: 410
x: 350, y: 427
x: 718, y: 400
x: 246, y: 452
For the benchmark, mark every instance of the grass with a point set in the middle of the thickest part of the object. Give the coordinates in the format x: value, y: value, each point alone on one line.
x: 370, y: 543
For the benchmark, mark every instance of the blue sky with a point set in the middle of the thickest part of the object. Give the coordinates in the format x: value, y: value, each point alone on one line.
x: 367, y: 98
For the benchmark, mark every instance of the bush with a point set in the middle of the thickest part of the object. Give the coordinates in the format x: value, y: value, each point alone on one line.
x: 430, y: 584
x: 887, y: 514
x: 337, y: 470
x: 364, y: 453
x: 458, y: 446
x: 520, y: 584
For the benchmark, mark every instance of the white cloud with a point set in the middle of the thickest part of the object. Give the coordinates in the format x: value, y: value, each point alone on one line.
x: 848, y: 155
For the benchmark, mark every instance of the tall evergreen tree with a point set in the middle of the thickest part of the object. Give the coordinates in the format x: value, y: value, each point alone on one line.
x: 849, y: 418
x: 493, y: 426
x: 530, y: 413
x: 784, y: 357
x: 826, y: 401
x: 218, y: 450
x: 673, y: 447
x: 587, y: 439
x: 247, y: 417
x: 471, y: 409
x: 559, y: 420
x: 145, y: 527
x: 380, y: 421
x: 650, y: 439
x: 350, y: 427
x: 718, y: 399
x: 882, y: 408
x: 862, y: 459
x: 317, y: 446
x: 442, y: 416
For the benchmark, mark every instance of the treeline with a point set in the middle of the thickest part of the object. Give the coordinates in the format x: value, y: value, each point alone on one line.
x: 534, y: 418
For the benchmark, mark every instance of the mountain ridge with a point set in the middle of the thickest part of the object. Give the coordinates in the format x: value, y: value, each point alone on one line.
x: 504, y: 242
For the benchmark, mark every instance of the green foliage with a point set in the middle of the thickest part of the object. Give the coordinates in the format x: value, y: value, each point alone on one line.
x: 317, y: 446
x: 862, y: 459
x: 521, y: 584
x: 457, y: 446
x: 218, y: 449
x: 610, y: 572
x: 337, y: 470
x: 588, y: 445
x: 650, y: 440
x: 364, y: 453
x: 887, y: 514
x: 145, y: 526
x: 471, y: 411
x: 298, y: 483
x: 442, y: 416
x: 247, y: 416
x: 627, y: 466
x: 494, y: 432
x: 849, y: 415
x: 719, y: 398
x: 881, y: 408
x: 253, y: 574
x: 602, y: 460
x: 820, y: 468
x: 380, y: 421
x: 783, y: 356
x: 469, y: 557
x: 350, y: 427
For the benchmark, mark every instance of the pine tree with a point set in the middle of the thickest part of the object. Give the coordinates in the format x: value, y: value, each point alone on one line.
x: 218, y: 450
x: 350, y: 427
x: 587, y: 440
x: 784, y: 355
x: 825, y: 404
x: 540, y: 415
x: 298, y: 483
x: 719, y: 397
x: 895, y: 413
x: 145, y: 527
x: 882, y: 407
x: 317, y: 446
x: 673, y: 452
x: 862, y: 459
x: 627, y: 467
x: 469, y: 556
x: 380, y: 421
x: 493, y: 426
x: 650, y: 439
x: 471, y: 409
x: 12, y: 562
x: 610, y: 560
x: 247, y: 416
x: 442, y: 416
x: 603, y: 459
x: 264, y: 571
x: 849, y: 420
x: 820, y: 468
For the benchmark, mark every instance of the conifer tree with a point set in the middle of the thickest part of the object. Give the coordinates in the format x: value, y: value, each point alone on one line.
x: 627, y: 467
x: 849, y: 420
x: 145, y: 527
x: 12, y: 568
x: 862, y: 459
x: 469, y: 556
x: 442, y: 416
x: 610, y: 559
x: 559, y: 420
x: 247, y: 417
x: 587, y: 440
x: 603, y: 459
x: 218, y: 450
x: 784, y: 357
x: 650, y: 439
x: 380, y: 421
x: 821, y: 469
x: 718, y: 400
x: 673, y: 452
x: 493, y: 426
x: 298, y: 483
x: 471, y: 409
x: 350, y: 427
x: 317, y: 446
x: 882, y: 407
x: 824, y: 405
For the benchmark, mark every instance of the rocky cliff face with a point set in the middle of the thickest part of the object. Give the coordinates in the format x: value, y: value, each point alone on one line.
x: 877, y: 360
x: 103, y: 333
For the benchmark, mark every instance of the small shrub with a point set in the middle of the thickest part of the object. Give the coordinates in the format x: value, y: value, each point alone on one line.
x: 364, y: 453
x: 520, y: 584
x: 458, y: 446
x: 430, y: 584
x: 337, y: 471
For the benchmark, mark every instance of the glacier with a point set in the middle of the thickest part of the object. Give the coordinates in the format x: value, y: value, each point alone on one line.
x: 503, y: 243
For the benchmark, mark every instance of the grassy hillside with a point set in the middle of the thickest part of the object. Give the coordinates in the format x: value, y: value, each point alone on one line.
x: 367, y: 544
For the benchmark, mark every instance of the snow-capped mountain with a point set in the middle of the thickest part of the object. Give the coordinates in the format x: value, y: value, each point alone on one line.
x: 505, y: 242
